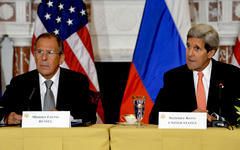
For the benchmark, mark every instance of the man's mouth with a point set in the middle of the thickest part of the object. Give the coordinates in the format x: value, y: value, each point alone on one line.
x: 44, y: 66
x: 191, y: 60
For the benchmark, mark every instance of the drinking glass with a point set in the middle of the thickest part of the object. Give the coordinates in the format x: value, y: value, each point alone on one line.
x: 139, y: 107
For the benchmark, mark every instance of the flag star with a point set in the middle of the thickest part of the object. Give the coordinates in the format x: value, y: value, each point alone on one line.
x: 50, y: 4
x: 56, y: 31
x: 47, y: 16
x: 60, y: 6
x: 83, y: 12
x: 58, y: 19
x: 70, y: 22
x: 72, y: 9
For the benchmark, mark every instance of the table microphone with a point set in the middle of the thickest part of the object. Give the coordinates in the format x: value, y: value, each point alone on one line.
x: 220, y: 122
x: 220, y: 85
x: 30, y: 98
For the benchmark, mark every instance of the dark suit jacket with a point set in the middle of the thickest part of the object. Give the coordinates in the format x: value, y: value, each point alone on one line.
x: 178, y: 93
x: 73, y: 95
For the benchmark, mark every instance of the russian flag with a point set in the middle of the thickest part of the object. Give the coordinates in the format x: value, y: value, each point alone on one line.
x: 160, y: 47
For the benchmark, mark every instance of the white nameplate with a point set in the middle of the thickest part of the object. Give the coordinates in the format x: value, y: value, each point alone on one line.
x: 46, y: 119
x: 179, y: 120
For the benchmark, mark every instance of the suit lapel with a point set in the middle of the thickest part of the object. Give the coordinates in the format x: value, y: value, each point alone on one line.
x: 213, y: 87
x: 35, y: 101
x: 192, y: 93
x: 60, y: 89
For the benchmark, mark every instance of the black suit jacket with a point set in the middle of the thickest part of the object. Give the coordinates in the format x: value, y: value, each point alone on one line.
x: 178, y: 93
x: 23, y: 93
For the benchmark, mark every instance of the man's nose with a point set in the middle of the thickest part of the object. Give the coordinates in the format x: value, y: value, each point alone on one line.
x: 190, y: 51
x: 44, y: 56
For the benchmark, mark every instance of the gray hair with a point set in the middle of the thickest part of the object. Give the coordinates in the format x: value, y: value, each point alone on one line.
x: 207, y: 33
x: 51, y: 35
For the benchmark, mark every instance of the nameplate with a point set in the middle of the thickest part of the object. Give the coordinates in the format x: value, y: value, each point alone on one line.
x: 46, y: 119
x: 179, y: 120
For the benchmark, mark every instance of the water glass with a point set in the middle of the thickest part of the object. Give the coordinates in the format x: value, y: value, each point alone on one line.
x: 139, y: 107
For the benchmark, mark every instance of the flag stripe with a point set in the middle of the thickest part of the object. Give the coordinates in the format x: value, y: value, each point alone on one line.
x: 84, y: 36
x: 100, y: 112
x: 71, y: 60
x: 33, y: 42
x: 236, y: 53
x: 175, y: 8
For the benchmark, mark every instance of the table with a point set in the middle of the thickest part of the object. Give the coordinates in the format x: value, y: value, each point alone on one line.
x: 122, y: 137
x: 95, y: 137
x: 149, y: 137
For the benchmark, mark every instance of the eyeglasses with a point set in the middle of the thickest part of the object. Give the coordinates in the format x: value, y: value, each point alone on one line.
x: 48, y: 52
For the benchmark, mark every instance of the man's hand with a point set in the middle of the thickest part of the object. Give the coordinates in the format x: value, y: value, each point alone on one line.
x: 209, y: 117
x: 13, y: 118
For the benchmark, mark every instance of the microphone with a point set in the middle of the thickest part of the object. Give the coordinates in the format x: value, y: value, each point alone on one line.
x: 30, y: 98
x: 220, y: 122
x: 220, y: 85
x: 27, y: 103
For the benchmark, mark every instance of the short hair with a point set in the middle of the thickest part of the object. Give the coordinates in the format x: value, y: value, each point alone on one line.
x: 207, y: 33
x: 51, y: 35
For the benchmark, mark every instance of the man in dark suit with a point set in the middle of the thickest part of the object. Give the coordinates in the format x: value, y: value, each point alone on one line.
x: 221, y: 82
x: 70, y: 90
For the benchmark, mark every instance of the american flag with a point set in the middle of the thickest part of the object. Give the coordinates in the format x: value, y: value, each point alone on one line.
x: 68, y: 20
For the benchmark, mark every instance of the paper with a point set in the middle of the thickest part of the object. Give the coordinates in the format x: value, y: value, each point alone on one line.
x: 179, y: 120
x: 46, y: 119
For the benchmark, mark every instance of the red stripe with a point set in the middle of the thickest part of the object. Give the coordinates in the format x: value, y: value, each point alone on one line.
x: 100, y: 110
x: 236, y: 51
x: 135, y: 87
x: 86, y: 40
x: 33, y: 42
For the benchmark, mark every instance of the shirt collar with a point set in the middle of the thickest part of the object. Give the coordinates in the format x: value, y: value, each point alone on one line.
x: 206, y: 71
x: 54, y: 78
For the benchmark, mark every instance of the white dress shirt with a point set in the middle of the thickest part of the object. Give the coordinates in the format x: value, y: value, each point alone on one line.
x: 54, y: 86
x: 206, y: 79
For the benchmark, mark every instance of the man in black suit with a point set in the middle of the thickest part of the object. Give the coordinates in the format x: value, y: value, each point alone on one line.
x: 221, y: 81
x: 70, y: 89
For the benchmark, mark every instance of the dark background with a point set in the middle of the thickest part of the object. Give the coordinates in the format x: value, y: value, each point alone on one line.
x: 112, y: 78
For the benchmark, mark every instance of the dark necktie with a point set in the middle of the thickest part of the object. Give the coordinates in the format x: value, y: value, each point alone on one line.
x: 49, y: 102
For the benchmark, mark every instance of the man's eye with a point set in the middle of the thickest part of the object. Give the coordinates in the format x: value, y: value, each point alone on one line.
x: 39, y: 51
x: 197, y: 48
x: 51, y: 52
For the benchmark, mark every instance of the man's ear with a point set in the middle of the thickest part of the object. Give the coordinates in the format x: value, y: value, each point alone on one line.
x: 211, y: 53
x: 62, y: 57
